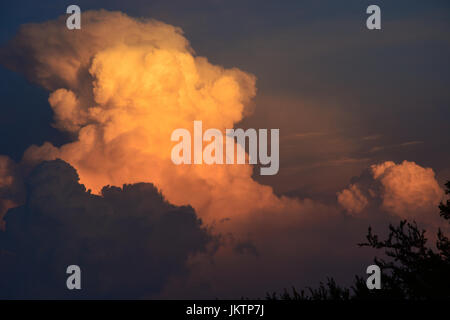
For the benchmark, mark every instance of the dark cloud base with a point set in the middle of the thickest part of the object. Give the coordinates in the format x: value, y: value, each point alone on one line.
x: 128, y: 241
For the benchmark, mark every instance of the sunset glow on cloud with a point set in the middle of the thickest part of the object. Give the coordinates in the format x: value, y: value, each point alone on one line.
x: 122, y: 92
x: 118, y: 88
x: 406, y: 190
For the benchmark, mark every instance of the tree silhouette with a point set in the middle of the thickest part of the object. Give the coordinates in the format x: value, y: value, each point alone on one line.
x: 412, y: 270
x: 326, y: 291
x: 445, y: 208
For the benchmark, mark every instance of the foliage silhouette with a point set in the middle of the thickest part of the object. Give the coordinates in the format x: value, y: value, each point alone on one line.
x: 412, y: 271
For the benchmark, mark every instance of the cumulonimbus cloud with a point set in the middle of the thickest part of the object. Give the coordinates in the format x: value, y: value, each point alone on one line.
x: 120, y: 86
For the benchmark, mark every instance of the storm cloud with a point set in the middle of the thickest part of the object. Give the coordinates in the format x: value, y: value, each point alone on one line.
x: 120, y: 85
x: 127, y: 241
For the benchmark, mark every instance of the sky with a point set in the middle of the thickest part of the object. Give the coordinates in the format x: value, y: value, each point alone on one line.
x: 364, y: 139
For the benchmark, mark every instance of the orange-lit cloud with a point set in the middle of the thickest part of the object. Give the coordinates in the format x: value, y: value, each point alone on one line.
x: 406, y: 190
x: 352, y: 199
x: 121, y: 86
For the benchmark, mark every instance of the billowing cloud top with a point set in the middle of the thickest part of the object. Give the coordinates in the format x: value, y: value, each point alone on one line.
x: 121, y: 86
